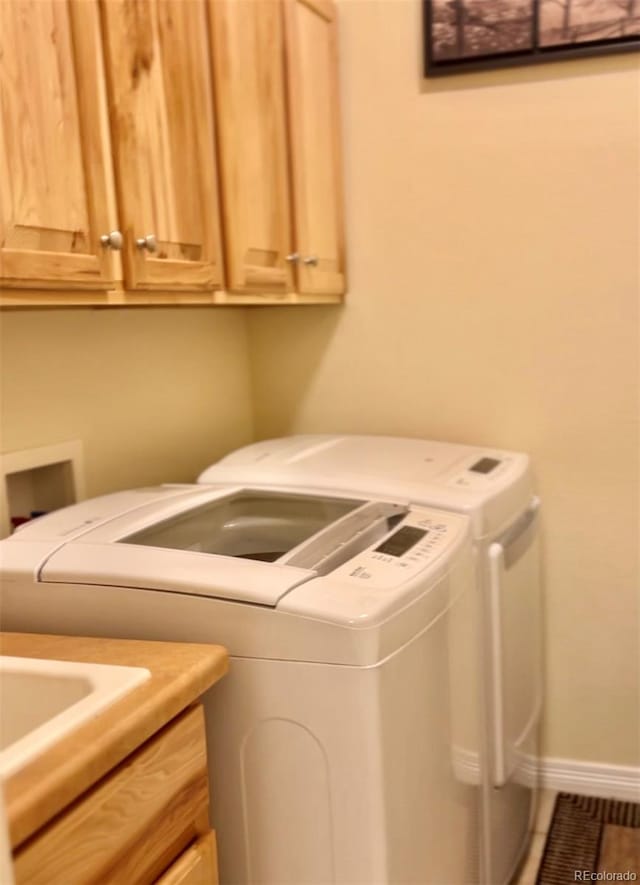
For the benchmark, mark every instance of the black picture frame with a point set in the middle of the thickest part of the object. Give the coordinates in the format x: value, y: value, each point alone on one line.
x: 454, y: 31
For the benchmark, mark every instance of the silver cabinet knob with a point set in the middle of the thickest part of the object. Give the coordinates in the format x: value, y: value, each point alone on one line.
x: 114, y: 240
x: 293, y: 257
x: 149, y: 243
x: 310, y: 260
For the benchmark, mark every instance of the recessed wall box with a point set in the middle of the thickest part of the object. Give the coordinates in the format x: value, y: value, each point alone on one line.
x: 36, y: 481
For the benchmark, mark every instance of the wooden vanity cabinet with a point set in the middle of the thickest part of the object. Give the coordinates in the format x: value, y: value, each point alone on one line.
x: 54, y: 200
x: 198, y: 865
x: 275, y: 74
x: 146, y: 821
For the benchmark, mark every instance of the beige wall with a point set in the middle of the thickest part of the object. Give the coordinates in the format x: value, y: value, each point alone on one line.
x: 154, y: 394
x: 494, y: 254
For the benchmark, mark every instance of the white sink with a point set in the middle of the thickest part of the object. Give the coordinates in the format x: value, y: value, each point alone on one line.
x: 42, y: 701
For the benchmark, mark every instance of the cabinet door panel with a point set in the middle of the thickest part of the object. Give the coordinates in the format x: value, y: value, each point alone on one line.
x: 314, y: 128
x: 53, y: 191
x: 133, y: 822
x: 162, y: 123
x: 198, y: 865
x: 247, y: 47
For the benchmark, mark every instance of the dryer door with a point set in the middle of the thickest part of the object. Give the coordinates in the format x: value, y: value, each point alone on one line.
x: 515, y: 650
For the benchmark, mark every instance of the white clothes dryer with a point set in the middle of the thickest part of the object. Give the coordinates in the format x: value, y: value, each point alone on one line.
x: 344, y: 742
x: 494, y: 489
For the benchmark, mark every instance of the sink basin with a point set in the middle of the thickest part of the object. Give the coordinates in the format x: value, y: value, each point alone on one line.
x: 42, y: 701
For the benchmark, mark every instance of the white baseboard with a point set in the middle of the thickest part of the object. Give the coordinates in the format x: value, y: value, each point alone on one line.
x: 591, y: 778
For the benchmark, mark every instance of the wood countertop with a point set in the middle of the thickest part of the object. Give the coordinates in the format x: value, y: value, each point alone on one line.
x: 180, y: 673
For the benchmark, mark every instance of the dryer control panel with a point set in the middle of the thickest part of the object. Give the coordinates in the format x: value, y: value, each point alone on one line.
x: 479, y: 471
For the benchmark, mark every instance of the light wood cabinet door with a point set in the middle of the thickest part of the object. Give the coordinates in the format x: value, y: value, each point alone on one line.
x: 161, y: 109
x: 198, y: 865
x: 314, y: 127
x: 53, y: 189
x: 247, y: 51
x: 131, y: 825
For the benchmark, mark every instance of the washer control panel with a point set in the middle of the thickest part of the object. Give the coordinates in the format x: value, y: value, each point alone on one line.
x: 423, y: 537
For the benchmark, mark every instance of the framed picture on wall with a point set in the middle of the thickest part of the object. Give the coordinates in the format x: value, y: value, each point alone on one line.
x: 472, y: 35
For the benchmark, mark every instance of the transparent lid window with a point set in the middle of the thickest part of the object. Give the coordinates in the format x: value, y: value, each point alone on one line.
x: 250, y: 525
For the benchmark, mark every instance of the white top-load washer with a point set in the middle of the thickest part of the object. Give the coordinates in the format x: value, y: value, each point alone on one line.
x: 494, y: 488
x: 344, y: 743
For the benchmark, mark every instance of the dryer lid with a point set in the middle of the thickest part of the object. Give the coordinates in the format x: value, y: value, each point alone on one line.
x: 491, y: 485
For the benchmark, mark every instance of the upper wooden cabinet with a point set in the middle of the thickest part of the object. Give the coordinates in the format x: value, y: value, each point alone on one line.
x: 161, y: 111
x: 121, y: 119
x: 314, y: 124
x: 247, y: 41
x: 275, y: 70
x: 53, y: 189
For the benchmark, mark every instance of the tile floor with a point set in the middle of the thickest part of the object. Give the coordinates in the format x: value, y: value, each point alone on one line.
x: 529, y: 870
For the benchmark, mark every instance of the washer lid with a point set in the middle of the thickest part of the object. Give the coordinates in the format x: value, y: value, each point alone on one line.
x: 245, y: 523
x: 491, y: 485
x: 176, y: 571
x: 241, y: 544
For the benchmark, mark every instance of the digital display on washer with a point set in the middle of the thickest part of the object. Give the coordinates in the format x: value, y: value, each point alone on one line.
x: 485, y: 465
x: 401, y: 541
